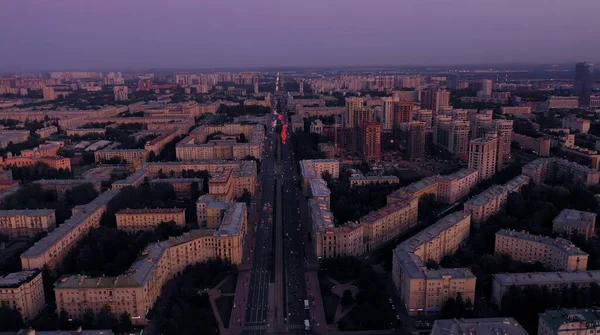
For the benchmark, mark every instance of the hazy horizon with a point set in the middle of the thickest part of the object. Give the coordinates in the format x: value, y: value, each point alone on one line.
x: 43, y: 35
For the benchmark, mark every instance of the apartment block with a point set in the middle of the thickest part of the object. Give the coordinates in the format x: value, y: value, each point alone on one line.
x: 314, y: 168
x: 563, y: 102
x: 387, y: 223
x: 157, y: 144
x: 557, y: 254
x: 370, y: 180
x: 480, y: 326
x: 134, y: 180
x: 133, y: 220
x: 517, y: 110
x: 570, y: 221
x: 540, y: 145
x: 370, y: 141
x: 555, y: 281
x: 24, y: 291
x: 318, y: 190
x: 199, y: 147
x: 244, y: 172
x: 411, y: 140
x: 567, y: 321
x: 456, y: 186
x: 581, y: 156
x: 136, y: 291
x: 483, y: 156
x: 320, y: 111
x: 428, y: 185
x: 26, y: 222
x: 183, y: 187
x: 62, y: 186
x: 452, y: 136
x: 52, y: 249
x: 46, y: 131
x: 556, y: 169
x: 423, y: 290
x: 131, y: 156
x: 492, y: 200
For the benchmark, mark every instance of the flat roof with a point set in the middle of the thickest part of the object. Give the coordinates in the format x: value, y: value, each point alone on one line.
x: 318, y: 188
x: 546, y: 278
x: 129, y: 211
x: 555, y: 318
x: 17, y: 278
x: 26, y: 212
x: 559, y: 243
x: 487, y: 196
x: 574, y: 217
x: 481, y: 326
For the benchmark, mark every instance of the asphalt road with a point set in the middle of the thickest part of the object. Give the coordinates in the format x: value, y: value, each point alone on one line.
x: 261, y: 274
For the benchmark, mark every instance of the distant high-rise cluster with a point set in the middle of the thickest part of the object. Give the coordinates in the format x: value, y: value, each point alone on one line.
x: 583, y: 82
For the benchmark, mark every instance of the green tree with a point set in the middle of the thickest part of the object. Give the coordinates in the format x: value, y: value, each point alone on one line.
x: 10, y: 319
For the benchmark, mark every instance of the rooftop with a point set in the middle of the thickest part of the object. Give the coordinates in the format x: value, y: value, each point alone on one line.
x: 562, y: 244
x: 484, y: 326
x: 15, y: 279
x: 548, y: 278
x: 574, y: 217
x: 231, y: 225
x: 489, y: 195
x: 26, y: 212
x: 129, y: 211
x: 555, y: 318
x: 318, y: 188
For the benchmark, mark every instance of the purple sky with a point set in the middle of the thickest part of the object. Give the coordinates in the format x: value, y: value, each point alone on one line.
x: 105, y: 34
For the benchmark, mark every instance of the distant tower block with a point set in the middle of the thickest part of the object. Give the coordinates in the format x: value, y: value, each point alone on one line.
x: 255, y: 86
x: 301, y: 86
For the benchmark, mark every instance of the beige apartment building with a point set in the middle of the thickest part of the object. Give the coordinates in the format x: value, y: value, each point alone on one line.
x: 540, y: 145
x: 244, y: 172
x: 157, y: 144
x: 369, y: 180
x: 133, y: 220
x: 314, y: 168
x: 566, y: 321
x: 131, y: 156
x: 576, y: 124
x: 556, y: 169
x: 136, y: 291
x: 483, y: 156
x: 563, y: 102
x: 571, y: 221
x: 456, y: 186
x: 385, y: 224
x: 582, y: 156
x: 23, y: 291
x: 557, y: 254
x: 492, y: 200
x: 554, y: 281
x: 46, y: 131
x: 424, y: 291
x: 52, y: 249
x: 26, y: 222
x: 453, y: 136
x: 517, y: 110
x: 447, y: 189
x: 220, y: 185
x: 195, y: 147
x: 318, y: 190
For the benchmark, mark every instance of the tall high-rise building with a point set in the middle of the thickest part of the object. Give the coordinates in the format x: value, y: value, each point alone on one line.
x: 483, y: 154
x: 583, y: 82
x: 386, y: 116
x: 402, y: 112
x: 435, y: 98
x: 503, y: 129
x: 301, y: 85
x: 453, y: 136
x: 353, y: 104
x: 486, y: 88
x: 370, y: 141
x: 255, y: 83
x: 411, y: 140
x: 121, y: 93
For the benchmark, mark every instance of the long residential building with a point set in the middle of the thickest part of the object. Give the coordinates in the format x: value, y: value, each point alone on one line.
x: 556, y: 169
x: 199, y: 147
x: 62, y: 186
x: 555, y: 281
x: 244, y: 174
x: 492, y: 200
x: 369, y: 180
x: 147, y: 219
x: 136, y: 291
x: 23, y: 291
x: 52, y: 249
x: 131, y: 156
x: 447, y: 189
x: 134, y: 180
x: 556, y: 253
x: 26, y: 222
x: 423, y: 290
